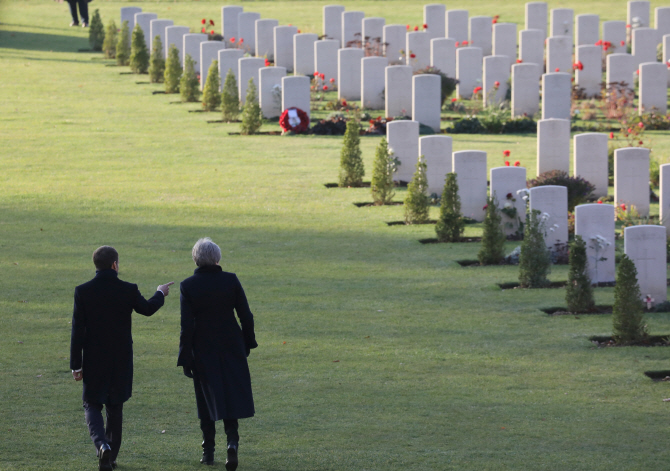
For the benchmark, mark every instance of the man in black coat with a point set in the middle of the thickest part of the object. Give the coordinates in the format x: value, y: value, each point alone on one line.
x: 213, y: 349
x: 101, y: 333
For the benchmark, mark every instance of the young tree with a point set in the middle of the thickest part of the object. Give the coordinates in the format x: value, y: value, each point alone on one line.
x: 417, y: 200
x: 211, y: 97
x: 230, y: 103
x: 383, y: 168
x: 351, y: 163
x: 173, y: 70
x: 252, y: 118
x: 156, y: 63
x: 492, y: 251
x: 96, y: 32
x: 123, y: 45
x: 535, y: 257
x: 578, y: 293
x: 139, y: 55
x: 628, y: 314
x: 111, y: 38
x: 450, y: 225
x: 188, y: 84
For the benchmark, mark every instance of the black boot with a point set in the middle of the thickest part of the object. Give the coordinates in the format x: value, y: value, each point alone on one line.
x: 231, y: 460
x: 208, y: 433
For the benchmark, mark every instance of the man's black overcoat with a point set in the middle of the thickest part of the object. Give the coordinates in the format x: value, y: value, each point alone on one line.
x: 212, y: 343
x: 101, y: 329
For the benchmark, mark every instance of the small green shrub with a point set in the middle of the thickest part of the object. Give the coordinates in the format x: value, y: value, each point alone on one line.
x: 123, y: 45
x: 519, y: 126
x: 492, y: 251
x: 139, y: 55
x: 383, y: 168
x: 211, y: 97
x: 96, y: 32
x: 447, y: 84
x: 109, y: 43
x: 654, y: 172
x: 417, y: 200
x: 189, y: 84
x: 156, y: 62
x: 450, y: 225
x: 467, y: 125
x: 230, y: 102
x: 578, y: 293
x: 351, y: 163
x: 628, y: 313
x: 579, y: 190
x: 252, y: 117
x: 173, y: 70
x: 535, y: 257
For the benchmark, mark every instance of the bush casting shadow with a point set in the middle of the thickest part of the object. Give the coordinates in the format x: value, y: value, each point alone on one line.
x: 40, y: 42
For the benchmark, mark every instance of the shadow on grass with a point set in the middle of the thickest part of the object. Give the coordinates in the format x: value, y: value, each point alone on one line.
x: 41, y: 42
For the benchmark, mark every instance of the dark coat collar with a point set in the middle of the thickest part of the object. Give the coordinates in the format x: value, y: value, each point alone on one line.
x: 208, y: 269
x: 107, y: 273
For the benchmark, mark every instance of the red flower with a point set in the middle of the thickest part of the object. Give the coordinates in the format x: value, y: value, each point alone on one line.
x: 623, y: 43
x: 517, y: 164
x: 630, y: 130
x: 267, y: 63
x: 494, y: 20
x: 407, y: 27
x: 457, y: 43
x: 627, y: 26
x: 519, y: 61
x: 578, y: 65
x: 607, y: 44
x: 212, y: 33
x: 506, y: 163
x: 600, y: 202
x: 637, y: 71
x: 325, y: 88
x: 204, y: 21
x: 599, y: 42
x: 611, y: 135
x: 425, y: 26
x: 203, y: 30
x: 640, y: 125
x: 506, y: 153
x: 640, y: 142
x: 496, y: 84
x: 477, y: 90
x: 299, y: 31
x: 557, y: 70
x: 232, y: 40
x: 332, y: 80
x: 316, y: 74
x: 412, y: 55
x: 344, y: 102
x: 241, y: 40
x: 464, y: 43
x: 416, y: 28
x: 323, y: 76
x: 623, y: 206
x: 485, y: 206
x: 372, y: 122
x: 668, y: 64
x: 453, y: 100
x: 211, y: 22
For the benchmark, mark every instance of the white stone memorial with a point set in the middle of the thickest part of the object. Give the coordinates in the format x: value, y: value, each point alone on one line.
x: 284, y: 46
x: 645, y: 41
x: 496, y: 74
x: 295, y: 93
x: 504, y: 40
x: 595, y: 223
x: 506, y: 181
x: 209, y: 52
x: 434, y: 16
x: 666, y: 53
x: 664, y: 197
x: 614, y: 32
x: 229, y: 60
x: 265, y: 38
x: 590, y: 74
x: 426, y: 103
x: 269, y: 90
x: 349, y: 73
x: 556, y: 93
x: 562, y: 22
x: 373, y: 34
x: 246, y: 31
x: 653, y: 88
x: 192, y: 47
x: 588, y: 30
x: 443, y: 55
x: 395, y: 41
x: 559, y: 54
x: 471, y: 176
x: 531, y: 47
x: 436, y: 151
x: 175, y: 35
x: 325, y: 58
x: 352, y: 27
x: 418, y: 49
x: 537, y: 17
x: 373, y: 70
x: 481, y: 34
x: 456, y: 25
x: 620, y: 69
x: 332, y: 22
x: 638, y: 14
x: 646, y: 247
x: 403, y: 140
x: 248, y: 68
x: 552, y: 200
x: 525, y: 89
x: 631, y: 178
x: 468, y: 70
x: 398, y: 94
x: 590, y: 160
x: 553, y: 145
x: 230, y: 22
x: 662, y: 21
x: 128, y: 14
x: 158, y: 28
x: 144, y: 20
x: 303, y: 53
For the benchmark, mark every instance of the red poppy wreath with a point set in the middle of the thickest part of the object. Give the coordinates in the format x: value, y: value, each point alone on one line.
x: 294, y: 119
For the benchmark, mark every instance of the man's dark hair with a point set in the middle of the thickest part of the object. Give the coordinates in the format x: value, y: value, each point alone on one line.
x: 104, y: 257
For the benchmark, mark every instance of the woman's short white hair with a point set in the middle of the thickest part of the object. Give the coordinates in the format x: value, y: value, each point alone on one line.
x: 205, y: 252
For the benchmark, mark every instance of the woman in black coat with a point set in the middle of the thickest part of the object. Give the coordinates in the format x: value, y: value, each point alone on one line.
x: 213, y: 350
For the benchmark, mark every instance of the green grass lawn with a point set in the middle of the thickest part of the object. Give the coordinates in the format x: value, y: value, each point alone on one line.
x: 376, y: 352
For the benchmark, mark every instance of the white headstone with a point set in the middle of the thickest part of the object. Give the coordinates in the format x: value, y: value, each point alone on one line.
x: 662, y: 20
x: 531, y: 47
x: 470, y: 169
x: 229, y: 61
x: 536, y: 16
x: 373, y: 34
x: 496, y: 74
x: 144, y: 20
x: 443, y: 55
x: 158, y: 29
x: 553, y: 145
x: 295, y: 93
x: 332, y: 22
x: 395, y: 42
x: 645, y: 41
x: 325, y: 58
x: 653, y: 88
x: 248, y: 69
x: 631, y: 178
x: 562, y: 22
x: 552, y: 200
x: 614, y: 32
x: 436, y: 151
x: 246, y: 30
x: 456, y: 26
x: 352, y: 27
x: 434, y: 16
x: 192, y: 47
x: 128, y: 14
x: 303, y: 53
x: 620, y: 68
x: 372, y: 82
x: 403, y: 141
x: 398, y: 90
x: 666, y: 53
x: 349, y: 73
x: 504, y: 40
x: 595, y: 223
x: 559, y: 54
x: 588, y: 30
x: 646, y: 247
x: 418, y: 49
x: 209, y: 52
x: 269, y: 90
x: 590, y: 75
x: 638, y: 14
x: 556, y: 94
x: 481, y: 34
x: 664, y: 201
x: 505, y: 182
x: 284, y: 46
x: 426, y: 102
x: 229, y: 23
x: 525, y: 89
x: 265, y: 38
x: 468, y: 70
x: 175, y: 35
x: 590, y: 160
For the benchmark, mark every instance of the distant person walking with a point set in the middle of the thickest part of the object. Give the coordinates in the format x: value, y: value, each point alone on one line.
x: 213, y: 349
x: 101, y: 334
x: 83, y: 11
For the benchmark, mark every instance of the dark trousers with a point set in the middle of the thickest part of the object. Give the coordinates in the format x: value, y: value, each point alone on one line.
x: 100, y: 434
x: 83, y: 10
x: 207, y: 424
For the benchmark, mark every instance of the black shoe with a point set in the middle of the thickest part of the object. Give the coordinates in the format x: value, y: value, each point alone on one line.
x: 231, y: 461
x: 74, y: 23
x: 105, y: 462
x: 207, y: 457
